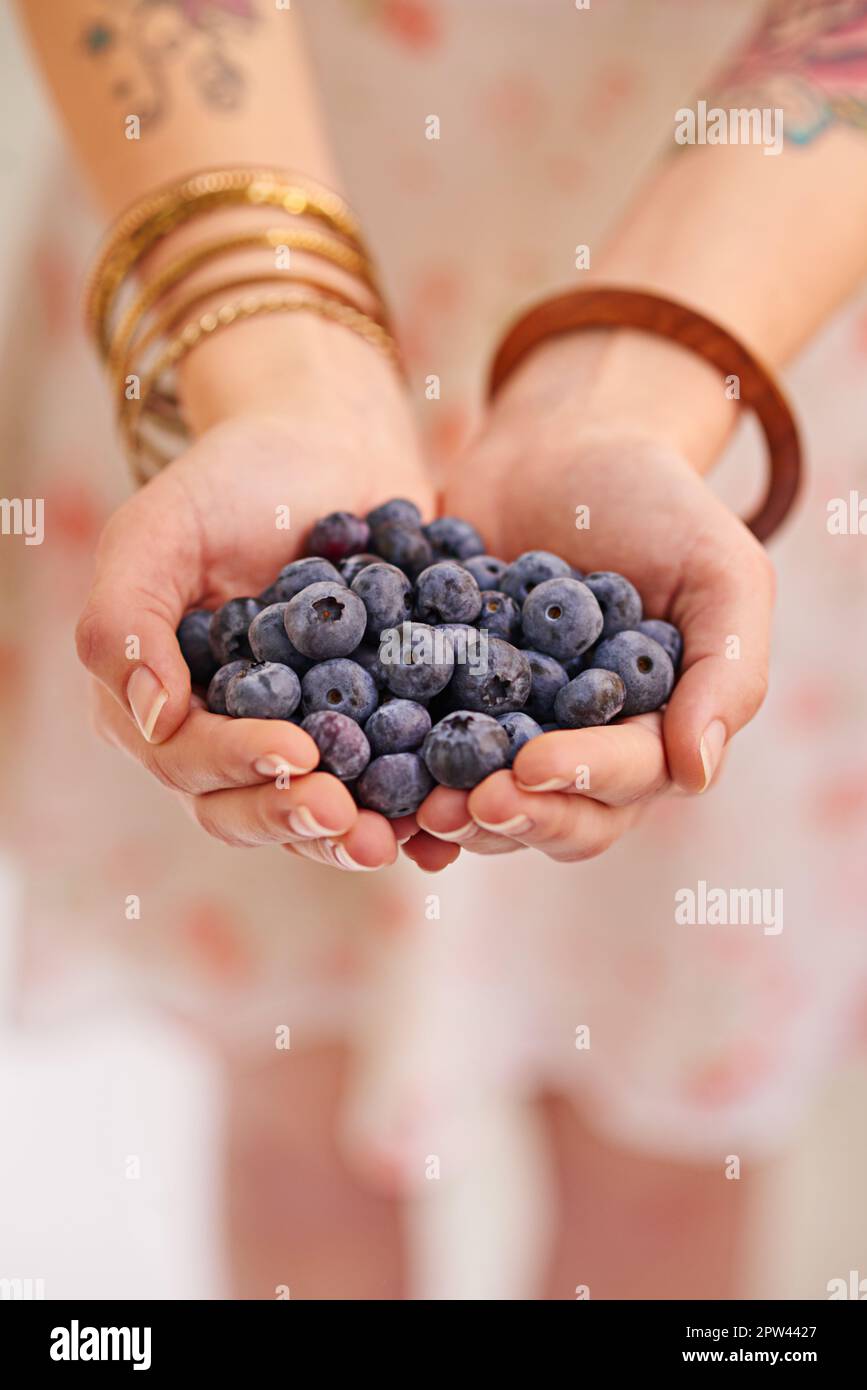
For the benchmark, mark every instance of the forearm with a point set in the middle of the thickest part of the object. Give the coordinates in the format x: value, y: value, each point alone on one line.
x: 769, y: 245
x: 213, y: 86
x: 209, y: 85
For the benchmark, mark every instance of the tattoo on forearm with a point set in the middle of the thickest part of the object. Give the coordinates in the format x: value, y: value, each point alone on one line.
x: 808, y: 57
x: 147, y: 48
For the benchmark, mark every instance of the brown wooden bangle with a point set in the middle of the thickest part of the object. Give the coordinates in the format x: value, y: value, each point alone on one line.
x: 630, y: 308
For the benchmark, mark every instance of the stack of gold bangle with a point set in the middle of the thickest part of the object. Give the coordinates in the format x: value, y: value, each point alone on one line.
x: 141, y: 343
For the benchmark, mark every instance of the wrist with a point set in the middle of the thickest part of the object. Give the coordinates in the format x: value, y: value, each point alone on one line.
x: 267, y: 362
x: 626, y: 381
x: 302, y: 368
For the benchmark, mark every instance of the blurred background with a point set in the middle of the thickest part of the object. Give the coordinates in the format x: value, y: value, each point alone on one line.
x: 153, y: 1144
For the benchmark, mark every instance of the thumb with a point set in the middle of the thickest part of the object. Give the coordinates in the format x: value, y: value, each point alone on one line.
x: 726, y: 622
x: 126, y: 634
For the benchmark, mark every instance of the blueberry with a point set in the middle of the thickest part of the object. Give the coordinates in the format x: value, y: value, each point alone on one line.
x: 405, y: 546
x: 465, y: 747
x: 666, y: 634
x: 576, y: 664
x: 496, y: 685
x: 520, y: 729
x: 386, y: 594
x: 577, y: 574
x: 354, y: 564
x: 530, y: 569
x: 469, y: 643
x: 368, y: 657
x: 397, y: 509
x: 644, y: 667
x: 394, y: 785
x: 619, y: 600
x: 270, y: 595
x: 453, y: 539
x: 418, y: 659
x: 398, y: 726
x: 343, y: 748
x: 228, y: 629
x: 195, y: 645
x: 500, y: 615
x: 269, y: 642
x: 325, y: 620
x: 561, y: 617
x: 264, y: 690
x: 447, y: 593
x: 216, y: 696
x: 548, y: 677
x: 341, y: 685
x: 594, y: 697
x: 337, y: 535
x: 440, y: 705
x: 295, y: 576
x: 487, y: 570
x: 459, y: 631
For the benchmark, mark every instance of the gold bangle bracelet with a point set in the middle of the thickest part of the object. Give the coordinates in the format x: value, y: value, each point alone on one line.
x: 179, y: 311
x: 302, y: 239
x: 215, y: 321
x: 306, y: 241
x: 152, y: 217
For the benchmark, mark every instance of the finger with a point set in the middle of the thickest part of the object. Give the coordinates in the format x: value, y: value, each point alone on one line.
x: 369, y: 845
x: 430, y: 854
x: 616, y: 763
x: 210, y: 752
x: 726, y: 623
x: 312, y: 808
x: 445, y: 814
x: 404, y: 828
x: 566, y: 828
x: 126, y: 634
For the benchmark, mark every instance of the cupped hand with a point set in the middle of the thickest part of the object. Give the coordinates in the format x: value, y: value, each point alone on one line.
x: 205, y: 530
x: 642, y: 510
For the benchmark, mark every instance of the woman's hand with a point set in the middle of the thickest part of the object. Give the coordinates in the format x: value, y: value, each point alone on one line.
x: 537, y: 464
x: 205, y: 530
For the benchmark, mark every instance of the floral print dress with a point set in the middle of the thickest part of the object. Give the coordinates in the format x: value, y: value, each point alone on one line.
x: 462, y: 992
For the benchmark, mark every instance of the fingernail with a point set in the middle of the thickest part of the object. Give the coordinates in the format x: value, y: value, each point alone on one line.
x: 146, y: 695
x: 516, y: 826
x: 711, y: 747
x: 317, y: 851
x: 272, y: 765
x: 307, y: 827
x: 556, y: 784
x: 346, y: 861
x: 464, y: 832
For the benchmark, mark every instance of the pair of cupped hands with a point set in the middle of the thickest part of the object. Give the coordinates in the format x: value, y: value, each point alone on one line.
x: 204, y: 530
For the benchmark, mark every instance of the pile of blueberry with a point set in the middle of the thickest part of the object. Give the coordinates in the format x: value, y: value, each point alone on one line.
x: 413, y: 658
